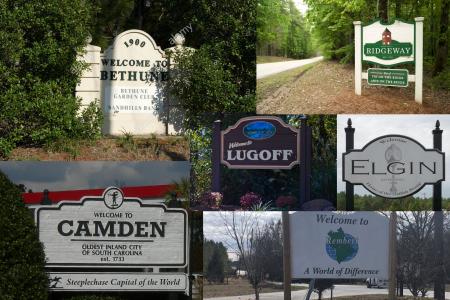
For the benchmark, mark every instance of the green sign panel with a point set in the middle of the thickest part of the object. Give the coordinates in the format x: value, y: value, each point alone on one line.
x: 388, y: 51
x: 388, y: 77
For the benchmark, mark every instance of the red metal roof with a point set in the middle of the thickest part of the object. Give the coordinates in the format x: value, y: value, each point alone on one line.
x: 143, y: 192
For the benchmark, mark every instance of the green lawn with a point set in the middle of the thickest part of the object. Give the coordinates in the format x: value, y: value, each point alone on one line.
x: 271, y: 59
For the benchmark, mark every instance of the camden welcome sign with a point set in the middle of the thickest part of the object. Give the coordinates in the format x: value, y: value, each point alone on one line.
x: 114, y: 232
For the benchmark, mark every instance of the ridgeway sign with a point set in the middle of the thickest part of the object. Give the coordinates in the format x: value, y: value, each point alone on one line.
x: 260, y: 142
x: 393, y: 166
x: 112, y: 232
x: 350, y: 245
x: 389, y: 44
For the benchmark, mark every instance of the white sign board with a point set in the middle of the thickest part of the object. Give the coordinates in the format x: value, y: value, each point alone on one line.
x: 388, y: 44
x: 91, y: 281
x: 132, y: 76
x: 339, y: 245
x: 112, y: 232
x: 393, y: 166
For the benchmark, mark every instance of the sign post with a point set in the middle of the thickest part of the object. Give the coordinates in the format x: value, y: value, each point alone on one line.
x: 392, y: 255
x: 439, y: 284
x: 286, y: 255
x: 262, y: 142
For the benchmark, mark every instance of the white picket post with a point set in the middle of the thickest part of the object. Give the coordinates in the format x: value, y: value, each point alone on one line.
x: 358, y: 62
x: 419, y: 60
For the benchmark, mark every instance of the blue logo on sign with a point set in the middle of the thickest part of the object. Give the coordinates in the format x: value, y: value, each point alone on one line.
x: 259, y: 130
x: 341, y: 246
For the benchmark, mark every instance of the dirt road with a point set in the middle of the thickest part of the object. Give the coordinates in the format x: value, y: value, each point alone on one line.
x: 264, y: 70
x: 328, y: 88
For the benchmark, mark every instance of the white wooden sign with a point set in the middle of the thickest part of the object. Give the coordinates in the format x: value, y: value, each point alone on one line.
x: 390, y: 44
x: 132, y: 76
x: 393, y: 166
x: 112, y: 232
x: 120, y: 282
x: 339, y: 245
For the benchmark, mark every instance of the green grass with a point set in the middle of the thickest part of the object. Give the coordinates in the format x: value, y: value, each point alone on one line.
x: 271, y: 59
x: 268, y: 85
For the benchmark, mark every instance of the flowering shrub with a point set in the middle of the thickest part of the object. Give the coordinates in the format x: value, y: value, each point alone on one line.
x: 286, y: 201
x: 250, y: 199
x: 211, y: 199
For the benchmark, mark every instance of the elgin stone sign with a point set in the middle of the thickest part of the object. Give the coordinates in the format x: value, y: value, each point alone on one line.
x: 260, y: 143
x: 389, y: 44
x: 393, y: 166
x: 112, y: 232
x: 353, y: 245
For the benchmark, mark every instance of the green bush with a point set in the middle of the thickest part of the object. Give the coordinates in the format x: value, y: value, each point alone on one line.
x: 22, y: 258
x: 204, y: 84
x: 39, y: 71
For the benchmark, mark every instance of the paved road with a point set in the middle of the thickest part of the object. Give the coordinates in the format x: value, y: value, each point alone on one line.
x: 339, y: 290
x: 264, y: 70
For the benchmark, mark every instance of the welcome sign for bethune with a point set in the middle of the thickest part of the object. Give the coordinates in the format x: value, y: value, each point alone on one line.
x: 112, y: 232
x: 352, y: 245
x: 129, y: 281
x: 260, y: 143
x: 393, y: 166
x: 132, y: 76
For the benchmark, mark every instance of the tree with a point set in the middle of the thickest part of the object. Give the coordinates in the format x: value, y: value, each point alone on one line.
x: 252, y: 241
x: 415, y: 250
x: 442, y: 48
x: 39, y: 70
x: 22, y: 256
x: 215, y: 271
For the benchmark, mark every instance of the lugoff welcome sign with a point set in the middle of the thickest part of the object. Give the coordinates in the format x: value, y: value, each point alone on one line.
x: 113, y: 231
x: 261, y: 142
x: 353, y: 245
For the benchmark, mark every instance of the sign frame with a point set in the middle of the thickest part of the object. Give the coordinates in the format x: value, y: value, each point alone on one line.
x: 109, y: 265
x: 387, y: 136
x: 260, y: 167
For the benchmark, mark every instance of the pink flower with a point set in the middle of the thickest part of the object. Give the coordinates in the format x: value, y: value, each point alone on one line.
x: 211, y: 199
x: 250, y: 199
x: 286, y: 201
